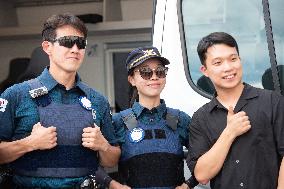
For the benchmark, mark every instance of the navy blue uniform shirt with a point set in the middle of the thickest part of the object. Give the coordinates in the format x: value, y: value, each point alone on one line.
x: 151, y: 117
x: 19, y: 113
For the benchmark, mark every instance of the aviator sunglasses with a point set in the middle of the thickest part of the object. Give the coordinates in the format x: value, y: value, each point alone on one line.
x: 70, y: 41
x: 147, y: 73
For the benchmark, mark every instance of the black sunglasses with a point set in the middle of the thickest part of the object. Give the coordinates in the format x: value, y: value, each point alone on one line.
x: 70, y: 41
x: 147, y: 73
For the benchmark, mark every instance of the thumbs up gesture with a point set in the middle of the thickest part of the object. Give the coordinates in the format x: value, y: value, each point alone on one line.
x: 237, y: 124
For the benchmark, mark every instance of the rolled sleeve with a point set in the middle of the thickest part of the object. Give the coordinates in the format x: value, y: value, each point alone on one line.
x: 119, y: 128
x: 278, y: 122
x: 8, y: 103
x: 198, y: 144
x: 107, y: 127
x: 183, y: 128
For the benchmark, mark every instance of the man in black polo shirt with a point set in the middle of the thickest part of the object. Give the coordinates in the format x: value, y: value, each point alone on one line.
x: 237, y: 139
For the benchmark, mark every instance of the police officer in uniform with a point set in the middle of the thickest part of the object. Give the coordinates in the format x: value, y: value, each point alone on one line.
x: 151, y: 135
x: 55, y: 130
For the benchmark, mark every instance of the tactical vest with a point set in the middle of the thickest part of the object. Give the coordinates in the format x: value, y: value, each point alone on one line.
x: 69, y: 158
x: 156, y: 161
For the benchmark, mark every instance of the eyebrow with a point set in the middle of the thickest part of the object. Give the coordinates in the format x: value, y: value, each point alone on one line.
x: 222, y: 57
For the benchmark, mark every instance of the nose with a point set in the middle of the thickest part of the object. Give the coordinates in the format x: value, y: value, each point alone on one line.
x: 154, y: 75
x: 75, y: 48
x: 227, y: 66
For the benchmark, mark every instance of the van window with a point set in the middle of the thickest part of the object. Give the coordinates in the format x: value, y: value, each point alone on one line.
x: 242, y: 19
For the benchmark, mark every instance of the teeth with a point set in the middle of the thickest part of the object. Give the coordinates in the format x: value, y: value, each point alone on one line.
x: 154, y: 85
x: 229, y: 77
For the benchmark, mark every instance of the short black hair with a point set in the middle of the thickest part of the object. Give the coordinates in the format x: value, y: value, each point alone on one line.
x: 59, y: 20
x: 213, y: 39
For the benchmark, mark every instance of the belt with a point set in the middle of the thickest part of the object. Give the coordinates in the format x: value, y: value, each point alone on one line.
x: 21, y: 187
x: 86, y: 184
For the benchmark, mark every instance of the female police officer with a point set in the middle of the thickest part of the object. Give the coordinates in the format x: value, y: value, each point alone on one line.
x: 151, y: 135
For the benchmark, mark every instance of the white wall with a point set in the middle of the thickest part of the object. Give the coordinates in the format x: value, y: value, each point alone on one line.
x: 32, y: 16
x: 136, y: 9
x: 131, y: 10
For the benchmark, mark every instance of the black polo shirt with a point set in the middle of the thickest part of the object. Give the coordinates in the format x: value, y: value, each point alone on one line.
x: 254, y: 157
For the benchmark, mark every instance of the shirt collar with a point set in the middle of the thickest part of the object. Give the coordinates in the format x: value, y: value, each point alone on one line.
x: 138, y: 108
x: 49, y: 82
x: 249, y: 92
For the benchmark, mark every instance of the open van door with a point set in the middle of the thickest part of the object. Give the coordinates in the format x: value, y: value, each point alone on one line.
x: 256, y: 25
x: 180, y: 24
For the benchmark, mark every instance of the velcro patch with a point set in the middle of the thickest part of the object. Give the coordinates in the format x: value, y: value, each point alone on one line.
x: 3, y: 104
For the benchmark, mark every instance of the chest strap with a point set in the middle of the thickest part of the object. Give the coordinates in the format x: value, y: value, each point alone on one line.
x: 172, y: 118
x: 130, y: 119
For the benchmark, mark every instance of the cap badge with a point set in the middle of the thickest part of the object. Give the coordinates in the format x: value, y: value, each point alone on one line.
x: 147, y: 53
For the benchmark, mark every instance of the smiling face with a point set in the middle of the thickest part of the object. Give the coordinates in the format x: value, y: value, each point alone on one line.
x: 223, y: 66
x: 151, y: 88
x: 63, y: 59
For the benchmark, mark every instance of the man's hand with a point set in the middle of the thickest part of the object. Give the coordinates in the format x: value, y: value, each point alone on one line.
x: 183, y: 186
x: 93, y: 138
x: 116, y: 185
x: 43, y: 138
x: 237, y: 124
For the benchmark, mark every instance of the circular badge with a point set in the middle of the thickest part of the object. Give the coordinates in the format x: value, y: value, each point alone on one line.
x: 86, y: 103
x: 136, y: 135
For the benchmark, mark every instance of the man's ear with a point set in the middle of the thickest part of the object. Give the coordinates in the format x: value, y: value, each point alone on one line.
x: 203, y: 69
x: 46, y: 46
x: 131, y: 80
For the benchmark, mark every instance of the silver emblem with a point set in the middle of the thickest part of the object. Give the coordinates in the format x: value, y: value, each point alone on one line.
x: 38, y: 92
x: 86, y: 103
x: 137, y: 134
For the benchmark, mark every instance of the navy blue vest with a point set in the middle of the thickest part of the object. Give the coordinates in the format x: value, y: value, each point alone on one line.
x: 157, y: 160
x: 69, y: 158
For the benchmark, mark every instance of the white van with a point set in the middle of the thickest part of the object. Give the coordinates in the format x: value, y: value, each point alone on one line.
x: 256, y: 25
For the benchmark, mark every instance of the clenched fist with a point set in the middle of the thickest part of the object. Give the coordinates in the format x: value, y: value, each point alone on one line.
x: 43, y: 138
x: 93, y: 138
x: 116, y: 185
x: 183, y: 186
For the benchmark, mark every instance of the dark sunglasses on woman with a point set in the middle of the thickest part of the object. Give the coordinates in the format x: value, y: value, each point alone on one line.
x: 70, y: 41
x: 147, y: 73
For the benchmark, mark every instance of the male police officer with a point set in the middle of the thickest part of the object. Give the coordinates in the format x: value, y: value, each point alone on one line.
x: 55, y: 130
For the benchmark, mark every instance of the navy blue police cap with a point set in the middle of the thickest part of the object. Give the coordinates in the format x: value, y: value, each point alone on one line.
x: 141, y: 54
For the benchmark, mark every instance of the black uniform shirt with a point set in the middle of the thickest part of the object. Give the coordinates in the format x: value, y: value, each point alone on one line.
x: 254, y: 157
